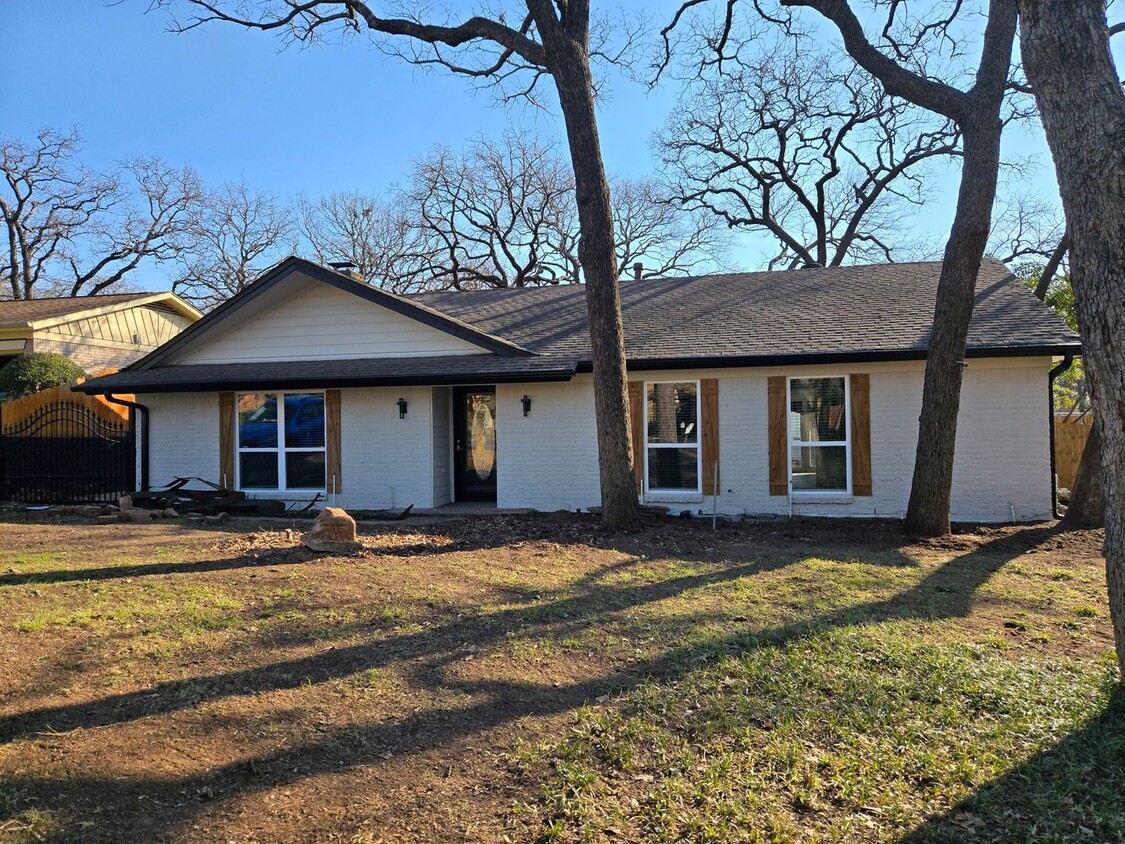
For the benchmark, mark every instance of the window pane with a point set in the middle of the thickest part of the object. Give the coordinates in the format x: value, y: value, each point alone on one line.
x: 820, y: 467
x: 258, y: 469
x: 672, y: 413
x: 673, y: 468
x: 304, y: 420
x: 816, y: 410
x: 257, y: 421
x: 304, y: 469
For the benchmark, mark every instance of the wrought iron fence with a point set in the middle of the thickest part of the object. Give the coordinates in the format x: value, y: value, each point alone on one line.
x: 65, y: 453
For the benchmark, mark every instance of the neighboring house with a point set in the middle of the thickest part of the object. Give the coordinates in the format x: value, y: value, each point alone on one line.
x: 96, y: 332
x: 752, y: 393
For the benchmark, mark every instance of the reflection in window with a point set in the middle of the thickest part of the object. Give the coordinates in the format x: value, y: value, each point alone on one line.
x: 271, y: 460
x: 672, y: 441
x: 818, y: 433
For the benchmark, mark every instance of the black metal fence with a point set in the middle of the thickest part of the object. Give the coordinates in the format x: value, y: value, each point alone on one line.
x: 64, y: 453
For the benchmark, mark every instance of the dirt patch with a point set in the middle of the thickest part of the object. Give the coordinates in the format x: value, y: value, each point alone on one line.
x: 173, y: 683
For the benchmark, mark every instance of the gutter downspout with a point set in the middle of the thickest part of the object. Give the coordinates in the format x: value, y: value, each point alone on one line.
x: 1067, y: 362
x: 134, y: 406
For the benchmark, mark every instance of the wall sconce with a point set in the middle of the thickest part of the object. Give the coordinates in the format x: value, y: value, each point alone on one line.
x: 402, y: 408
x: 526, y: 402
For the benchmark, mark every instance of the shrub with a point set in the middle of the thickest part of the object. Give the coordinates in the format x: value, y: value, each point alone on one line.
x: 37, y: 371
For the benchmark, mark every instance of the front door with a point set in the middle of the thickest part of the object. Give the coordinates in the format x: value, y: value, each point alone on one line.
x: 474, y: 443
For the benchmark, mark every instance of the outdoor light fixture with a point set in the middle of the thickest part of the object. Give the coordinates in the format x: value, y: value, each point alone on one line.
x: 402, y: 408
x: 526, y: 402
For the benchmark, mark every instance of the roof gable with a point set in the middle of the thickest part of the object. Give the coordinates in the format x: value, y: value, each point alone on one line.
x: 46, y: 313
x: 301, y: 311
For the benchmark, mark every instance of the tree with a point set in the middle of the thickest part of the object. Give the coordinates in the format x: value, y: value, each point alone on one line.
x: 780, y: 139
x: 1066, y: 55
x: 37, y: 371
x: 502, y: 214
x: 378, y: 236
x: 899, y: 63
x: 73, y: 231
x: 552, y: 40
x: 240, y: 233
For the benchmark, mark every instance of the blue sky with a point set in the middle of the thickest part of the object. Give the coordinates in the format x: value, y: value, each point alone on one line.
x: 237, y: 105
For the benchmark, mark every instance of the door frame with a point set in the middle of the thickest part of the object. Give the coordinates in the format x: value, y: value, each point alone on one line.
x: 459, y: 424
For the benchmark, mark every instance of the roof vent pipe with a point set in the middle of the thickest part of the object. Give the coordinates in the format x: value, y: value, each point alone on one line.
x: 638, y: 270
x: 347, y: 268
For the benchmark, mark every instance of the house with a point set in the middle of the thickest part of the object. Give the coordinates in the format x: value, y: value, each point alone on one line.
x: 96, y: 332
x: 751, y: 393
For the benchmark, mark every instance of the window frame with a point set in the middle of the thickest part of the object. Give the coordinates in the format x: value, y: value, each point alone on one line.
x: 280, y: 449
x: 846, y: 442
x: 697, y: 445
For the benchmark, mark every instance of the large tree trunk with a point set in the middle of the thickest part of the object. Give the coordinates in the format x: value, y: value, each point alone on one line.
x: 571, y: 73
x: 1067, y: 60
x: 930, y: 491
x: 1087, y: 500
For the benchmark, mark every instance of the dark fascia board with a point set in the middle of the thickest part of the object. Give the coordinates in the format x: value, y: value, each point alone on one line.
x: 320, y: 383
x: 643, y: 364
x: 391, y: 301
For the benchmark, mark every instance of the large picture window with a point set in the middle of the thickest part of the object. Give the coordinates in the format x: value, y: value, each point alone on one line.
x: 281, y: 441
x: 672, y: 436
x: 819, y: 444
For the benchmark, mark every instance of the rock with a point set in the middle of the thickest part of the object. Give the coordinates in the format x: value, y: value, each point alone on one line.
x: 108, y: 520
x: 89, y: 510
x: 332, y: 532
x: 137, y: 516
x: 217, y: 519
x: 169, y: 513
x: 125, y: 502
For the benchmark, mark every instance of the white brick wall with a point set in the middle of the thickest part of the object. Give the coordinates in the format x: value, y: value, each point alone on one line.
x: 548, y: 460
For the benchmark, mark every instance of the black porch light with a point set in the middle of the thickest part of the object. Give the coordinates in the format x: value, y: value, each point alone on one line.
x: 402, y: 408
x: 526, y: 402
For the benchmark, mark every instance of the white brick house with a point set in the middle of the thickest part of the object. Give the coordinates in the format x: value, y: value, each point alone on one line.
x: 759, y: 393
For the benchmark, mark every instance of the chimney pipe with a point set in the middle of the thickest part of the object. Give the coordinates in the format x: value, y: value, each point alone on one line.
x: 638, y: 270
x: 349, y: 269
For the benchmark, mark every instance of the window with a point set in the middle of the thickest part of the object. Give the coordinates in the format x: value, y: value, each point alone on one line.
x: 819, y: 445
x: 281, y: 441
x: 672, y: 436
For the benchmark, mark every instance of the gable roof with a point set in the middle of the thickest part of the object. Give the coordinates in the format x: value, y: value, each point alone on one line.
x: 39, y: 313
x: 419, y: 311
x: 796, y: 317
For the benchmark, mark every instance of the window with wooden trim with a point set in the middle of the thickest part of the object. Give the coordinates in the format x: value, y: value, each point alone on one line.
x: 819, y: 433
x: 672, y: 450
x: 281, y: 441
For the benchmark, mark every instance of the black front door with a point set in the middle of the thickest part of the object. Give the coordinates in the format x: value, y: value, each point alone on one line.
x: 474, y: 443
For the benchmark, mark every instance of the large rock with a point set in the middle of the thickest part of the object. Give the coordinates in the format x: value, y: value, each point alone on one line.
x: 332, y: 532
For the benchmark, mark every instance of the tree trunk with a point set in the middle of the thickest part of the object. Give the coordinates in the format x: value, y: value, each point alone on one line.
x: 1067, y: 60
x: 930, y: 491
x: 1087, y: 501
x: 571, y: 73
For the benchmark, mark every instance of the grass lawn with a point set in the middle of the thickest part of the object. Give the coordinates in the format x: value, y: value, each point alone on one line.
x: 532, y: 678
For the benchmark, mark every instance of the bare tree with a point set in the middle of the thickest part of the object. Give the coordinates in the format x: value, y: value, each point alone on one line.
x: 1066, y: 54
x: 546, y: 41
x: 780, y: 139
x: 241, y: 233
x: 502, y: 214
x: 74, y: 231
x: 376, y: 235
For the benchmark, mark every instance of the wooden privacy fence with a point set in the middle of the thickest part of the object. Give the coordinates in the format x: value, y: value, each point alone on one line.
x: 1070, y: 438
x: 15, y: 411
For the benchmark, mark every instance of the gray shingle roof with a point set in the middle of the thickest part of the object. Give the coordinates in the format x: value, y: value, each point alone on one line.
x: 881, y: 312
x: 886, y: 308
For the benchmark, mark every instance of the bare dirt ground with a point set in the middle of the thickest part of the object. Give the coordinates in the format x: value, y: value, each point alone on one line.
x: 173, y: 683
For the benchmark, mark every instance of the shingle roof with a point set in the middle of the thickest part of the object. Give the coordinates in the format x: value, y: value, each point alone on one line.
x: 850, y: 311
x: 881, y: 312
x: 15, y: 314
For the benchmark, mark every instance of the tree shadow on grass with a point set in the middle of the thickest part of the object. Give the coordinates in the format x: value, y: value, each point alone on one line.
x: 1074, y: 791
x: 947, y: 592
